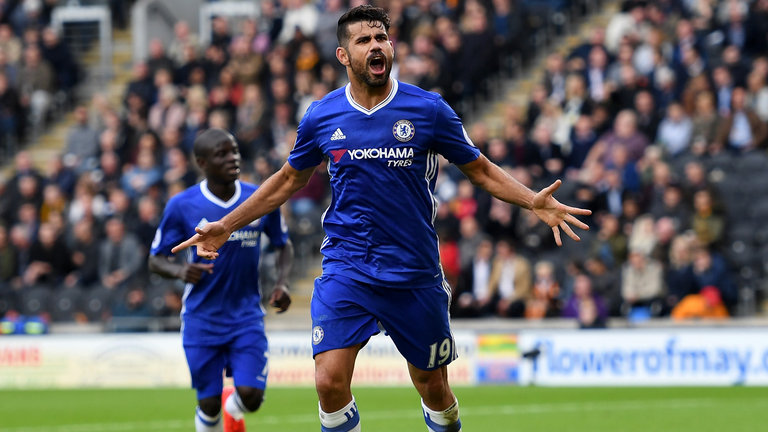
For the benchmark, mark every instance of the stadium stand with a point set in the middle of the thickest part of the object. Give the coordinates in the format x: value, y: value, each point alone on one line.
x: 654, y: 114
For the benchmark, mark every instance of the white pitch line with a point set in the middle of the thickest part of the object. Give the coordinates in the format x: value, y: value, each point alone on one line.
x: 367, y: 415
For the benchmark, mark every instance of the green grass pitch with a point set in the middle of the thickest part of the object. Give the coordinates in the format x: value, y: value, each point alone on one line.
x: 483, y: 409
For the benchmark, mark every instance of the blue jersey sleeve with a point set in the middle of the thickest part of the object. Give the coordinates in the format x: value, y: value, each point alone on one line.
x: 451, y: 140
x: 306, y: 153
x: 170, y: 231
x: 276, y: 229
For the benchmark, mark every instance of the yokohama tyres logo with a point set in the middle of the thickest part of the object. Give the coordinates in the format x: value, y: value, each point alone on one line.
x: 373, y: 153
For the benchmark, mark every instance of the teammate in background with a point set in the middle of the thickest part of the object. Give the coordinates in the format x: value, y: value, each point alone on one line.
x: 381, y: 264
x: 223, y: 321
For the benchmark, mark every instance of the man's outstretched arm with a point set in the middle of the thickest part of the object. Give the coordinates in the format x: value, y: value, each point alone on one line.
x: 489, y: 176
x: 270, y: 195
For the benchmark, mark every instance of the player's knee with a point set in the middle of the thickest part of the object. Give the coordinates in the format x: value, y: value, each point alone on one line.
x: 327, y: 384
x: 210, y: 406
x: 251, y: 397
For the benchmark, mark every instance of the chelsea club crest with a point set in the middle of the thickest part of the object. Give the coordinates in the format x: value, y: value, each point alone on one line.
x: 403, y: 130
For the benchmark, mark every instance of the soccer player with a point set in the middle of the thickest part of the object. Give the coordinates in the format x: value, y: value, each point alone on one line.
x: 223, y: 321
x: 381, y: 264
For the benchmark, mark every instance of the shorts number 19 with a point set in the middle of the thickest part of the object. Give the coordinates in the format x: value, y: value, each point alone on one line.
x: 444, y: 352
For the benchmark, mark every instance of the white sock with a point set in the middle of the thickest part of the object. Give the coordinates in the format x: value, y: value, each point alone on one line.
x: 346, y: 419
x: 234, y: 406
x: 206, y: 423
x: 442, y: 421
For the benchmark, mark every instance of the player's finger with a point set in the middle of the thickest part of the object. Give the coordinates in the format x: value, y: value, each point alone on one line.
x: 573, y: 221
x: 564, y: 225
x: 187, y: 243
x: 578, y: 211
x: 556, y: 232
x: 549, y: 190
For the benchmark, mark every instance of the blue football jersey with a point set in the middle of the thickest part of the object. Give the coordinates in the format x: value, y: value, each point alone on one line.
x: 230, y: 295
x: 383, y: 164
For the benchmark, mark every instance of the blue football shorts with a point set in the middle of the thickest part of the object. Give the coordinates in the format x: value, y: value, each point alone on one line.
x: 346, y: 312
x: 242, y: 356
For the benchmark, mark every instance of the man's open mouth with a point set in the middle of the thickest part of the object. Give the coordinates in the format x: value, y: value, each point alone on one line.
x: 377, y: 64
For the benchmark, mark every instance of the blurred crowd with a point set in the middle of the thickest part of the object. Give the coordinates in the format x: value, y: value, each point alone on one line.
x: 656, y: 122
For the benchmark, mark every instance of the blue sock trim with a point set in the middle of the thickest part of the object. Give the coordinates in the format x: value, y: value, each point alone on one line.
x: 353, y: 418
x: 208, y: 423
x: 453, y: 427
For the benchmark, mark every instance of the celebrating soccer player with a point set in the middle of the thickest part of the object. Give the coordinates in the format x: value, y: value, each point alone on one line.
x: 381, y: 264
x: 223, y: 321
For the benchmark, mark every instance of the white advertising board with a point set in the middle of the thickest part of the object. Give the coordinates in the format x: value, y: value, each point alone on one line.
x: 152, y: 360
x: 645, y: 357
x: 104, y: 360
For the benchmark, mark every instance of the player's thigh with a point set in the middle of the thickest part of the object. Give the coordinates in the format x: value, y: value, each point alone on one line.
x: 418, y: 323
x: 247, y: 355
x: 206, y: 364
x: 339, y: 320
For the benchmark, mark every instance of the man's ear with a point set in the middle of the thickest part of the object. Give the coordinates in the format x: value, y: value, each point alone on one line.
x: 342, y: 55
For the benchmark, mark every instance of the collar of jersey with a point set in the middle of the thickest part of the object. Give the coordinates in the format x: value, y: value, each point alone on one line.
x: 378, y: 106
x: 216, y: 200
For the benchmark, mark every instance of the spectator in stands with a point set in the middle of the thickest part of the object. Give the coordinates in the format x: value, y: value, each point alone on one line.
x: 543, y: 302
x: 9, y: 265
x: 177, y: 168
x: 707, y: 303
x: 10, y: 45
x: 610, y: 244
x: 642, y: 285
x: 82, y: 141
x: 10, y: 115
x: 757, y: 28
x: 628, y: 26
x: 118, y: 257
x: 184, y: 42
x: 679, y: 276
x: 140, y: 85
x: 741, y: 129
x: 711, y: 269
x: 473, y: 296
x: 63, y: 63
x: 49, y: 261
x: 584, y: 305
x: 648, y: 118
x: 707, y: 220
x: 675, y: 131
x: 167, y: 112
x: 299, y: 16
x: 624, y: 134
x: 704, y: 119
x: 36, y: 81
x: 84, y: 245
x: 554, y: 77
x: 757, y: 96
x: 510, y: 280
x: 131, y: 310
x: 221, y: 34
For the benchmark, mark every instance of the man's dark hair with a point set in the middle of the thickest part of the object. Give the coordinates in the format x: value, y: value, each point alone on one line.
x: 208, y: 140
x: 367, y: 13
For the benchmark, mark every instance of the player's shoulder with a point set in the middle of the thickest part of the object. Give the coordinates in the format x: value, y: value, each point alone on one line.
x: 247, y: 188
x: 332, y: 99
x: 413, y: 91
x: 191, y: 193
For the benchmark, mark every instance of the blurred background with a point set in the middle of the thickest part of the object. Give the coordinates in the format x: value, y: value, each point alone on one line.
x: 654, y: 114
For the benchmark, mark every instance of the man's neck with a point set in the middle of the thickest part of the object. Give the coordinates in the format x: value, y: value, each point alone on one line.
x: 222, y: 191
x: 367, y: 96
